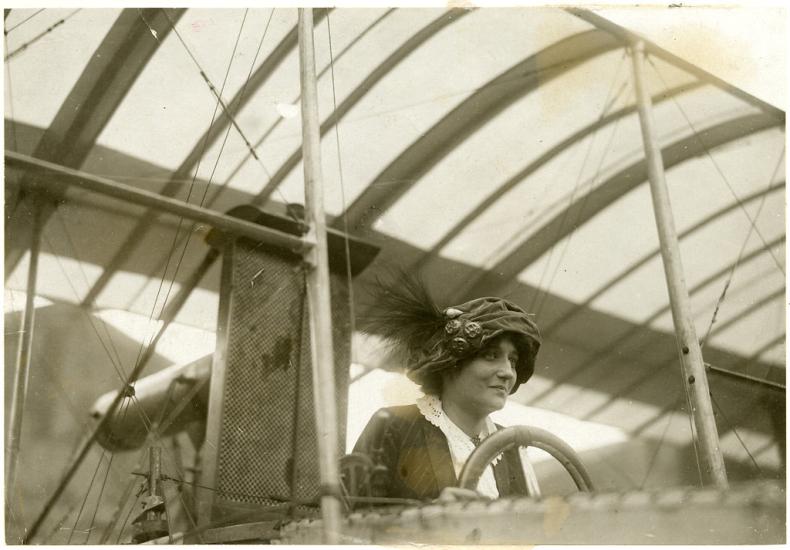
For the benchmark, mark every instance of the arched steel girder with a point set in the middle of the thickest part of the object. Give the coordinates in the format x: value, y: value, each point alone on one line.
x: 544, y: 159
x: 184, y: 170
x: 483, y: 105
x: 547, y: 331
x: 360, y: 91
x: 101, y: 87
x: 583, y: 209
x: 598, y: 358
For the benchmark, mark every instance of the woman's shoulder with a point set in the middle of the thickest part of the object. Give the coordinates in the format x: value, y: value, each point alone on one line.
x: 401, y: 412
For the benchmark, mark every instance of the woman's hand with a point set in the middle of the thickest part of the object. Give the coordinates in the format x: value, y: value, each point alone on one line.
x: 456, y: 494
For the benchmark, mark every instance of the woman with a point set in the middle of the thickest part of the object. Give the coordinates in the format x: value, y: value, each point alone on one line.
x: 467, y: 359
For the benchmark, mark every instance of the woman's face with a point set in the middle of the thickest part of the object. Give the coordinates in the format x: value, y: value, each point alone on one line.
x: 482, y: 383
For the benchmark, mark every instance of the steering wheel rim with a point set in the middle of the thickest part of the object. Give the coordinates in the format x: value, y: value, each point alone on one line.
x: 523, y: 436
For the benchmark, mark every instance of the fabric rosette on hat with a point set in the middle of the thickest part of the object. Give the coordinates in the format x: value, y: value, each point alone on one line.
x: 433, y: 340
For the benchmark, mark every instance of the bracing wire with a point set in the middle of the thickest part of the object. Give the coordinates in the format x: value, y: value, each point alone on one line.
x: 660, y: 443
x: 724, y: 178
x: 85, y: 447
x: 740, y: 254
x: 585, y: 199
x: 352, y: 317
x: 107, y: 350
x: 218, y: 189
x: 276, y: 124
x: 216, y: 163
x: 221, y: 102
x: 92, y: 522
x: 41, y: 35
x: 59, y: 524
x: 25, y: 20
x: 692, y: 429
x: 78, y: 256
x: 87, y: 494
x: 127, y: 492
x: 734, y: 431
x: 129, y: 514
x: 608, y: 103
x: 118, y: 367
x: 192, y: 184
x: 212, y: 87
x: 104, y: 483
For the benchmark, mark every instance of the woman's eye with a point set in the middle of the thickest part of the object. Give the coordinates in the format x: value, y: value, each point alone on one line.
x: 490, y: 354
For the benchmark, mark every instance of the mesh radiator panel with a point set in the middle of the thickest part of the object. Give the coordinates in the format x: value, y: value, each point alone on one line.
x: 268, y: 437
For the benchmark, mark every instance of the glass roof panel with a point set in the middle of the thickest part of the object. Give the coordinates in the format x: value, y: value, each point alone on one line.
x: 501, y: 149
x: 170, y: 105
x: 276, y: 106
x: 40, y: 77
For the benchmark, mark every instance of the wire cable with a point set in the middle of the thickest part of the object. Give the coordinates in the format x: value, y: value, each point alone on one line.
x: 716, y: 166
x: 173, y: 245
x: 740, y: 255
x: 221, y: 102
x: 85, y: 499
x: 104, y: 484
x: 585, y: 199
x: 128, y: 515
x: 277, y: 122
x: 216, y: 163
x: 660, y: 442
x: 346, y: 239
x: 41, y: 35
x: 77, y: 256
x: 607, y: 104
x: 732, y: 427
x: 25, y: 20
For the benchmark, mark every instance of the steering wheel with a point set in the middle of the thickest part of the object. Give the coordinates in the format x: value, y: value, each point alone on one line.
x: 523, y: 436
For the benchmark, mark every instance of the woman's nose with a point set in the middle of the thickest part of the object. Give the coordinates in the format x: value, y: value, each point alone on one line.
x: 506, y: 370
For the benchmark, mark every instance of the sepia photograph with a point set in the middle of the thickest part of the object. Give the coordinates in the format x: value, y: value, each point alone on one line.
x: 381, y: 274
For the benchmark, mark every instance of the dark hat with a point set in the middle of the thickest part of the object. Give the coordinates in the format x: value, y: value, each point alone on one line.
x: 468, y: 328
x: 432, y: 340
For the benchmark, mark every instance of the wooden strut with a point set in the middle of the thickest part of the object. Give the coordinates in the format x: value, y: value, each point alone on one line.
x: 317, y: 261
x: 54, y: 177
x: 694, y: 376
x: 24, y: 352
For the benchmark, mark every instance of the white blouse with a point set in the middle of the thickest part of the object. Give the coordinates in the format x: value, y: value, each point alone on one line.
x: 461, y: 446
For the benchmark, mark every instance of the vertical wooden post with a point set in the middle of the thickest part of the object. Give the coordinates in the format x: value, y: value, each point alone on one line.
x: 21, y: 374
x: 318, y: 287
x: 694, y: 376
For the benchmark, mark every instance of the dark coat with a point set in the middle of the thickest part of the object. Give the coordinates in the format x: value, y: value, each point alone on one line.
x: 418, y: 460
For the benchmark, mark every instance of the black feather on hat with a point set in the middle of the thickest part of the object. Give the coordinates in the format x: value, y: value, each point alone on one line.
x: 429, y: 340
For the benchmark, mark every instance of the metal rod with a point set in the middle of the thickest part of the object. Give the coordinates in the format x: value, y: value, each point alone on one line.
x: 318, y: 287
x: 741, y: 376
x: 69, y: 177
x: 154, y: 470
x: 694, y: 376
x: 22, y: 371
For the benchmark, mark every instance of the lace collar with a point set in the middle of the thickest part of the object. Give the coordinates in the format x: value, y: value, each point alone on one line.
x: 461, y: 445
